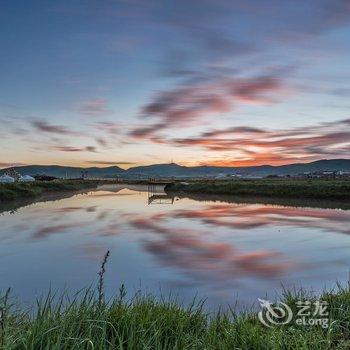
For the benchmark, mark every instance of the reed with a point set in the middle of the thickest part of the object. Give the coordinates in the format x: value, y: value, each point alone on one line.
x: 100, y: 286
x: 86, y: 321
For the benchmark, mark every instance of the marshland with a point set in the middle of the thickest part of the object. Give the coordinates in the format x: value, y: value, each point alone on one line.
x: 278, y: 188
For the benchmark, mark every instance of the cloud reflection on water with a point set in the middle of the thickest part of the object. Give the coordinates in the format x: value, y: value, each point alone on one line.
x: 195, y: 253
x: 212, y: 247
x: 247, y: 216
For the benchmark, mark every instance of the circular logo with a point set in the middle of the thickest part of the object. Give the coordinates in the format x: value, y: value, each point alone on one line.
x: 272, y: 315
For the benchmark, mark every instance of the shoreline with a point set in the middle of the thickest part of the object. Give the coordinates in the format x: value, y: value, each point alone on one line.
x: 277, y: 189
x: 266, y: 200
x: 24, y: 194
x: 23, y: 190
x: 31, y: 190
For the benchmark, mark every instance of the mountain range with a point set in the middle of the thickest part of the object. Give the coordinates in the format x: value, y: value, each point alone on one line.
x: 175, y: 170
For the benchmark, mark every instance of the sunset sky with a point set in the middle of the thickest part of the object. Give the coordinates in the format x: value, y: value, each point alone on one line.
x: 136, y: 82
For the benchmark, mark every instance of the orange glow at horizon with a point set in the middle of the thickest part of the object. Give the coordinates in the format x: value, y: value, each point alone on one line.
x: 264, y: 159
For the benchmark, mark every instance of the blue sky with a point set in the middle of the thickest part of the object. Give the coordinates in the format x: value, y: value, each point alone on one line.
x: 198, y: 82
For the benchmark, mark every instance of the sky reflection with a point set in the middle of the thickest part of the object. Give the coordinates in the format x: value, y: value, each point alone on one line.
x: 221, y: 251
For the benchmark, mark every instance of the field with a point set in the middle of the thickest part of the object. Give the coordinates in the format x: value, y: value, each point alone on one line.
x: 312, y: 189
x: 20, y: 190
x: 88, y: 322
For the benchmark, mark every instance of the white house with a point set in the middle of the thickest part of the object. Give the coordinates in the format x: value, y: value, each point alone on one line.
x: 26, y: 178
x: 6, y: 179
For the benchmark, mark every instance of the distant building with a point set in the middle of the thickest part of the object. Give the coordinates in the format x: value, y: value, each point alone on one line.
x: 236, y: 176
x: 342, y: 173
x: 253, y: 177
x: 26, y: 178
x: 325, y: 175
x: 6, y: 179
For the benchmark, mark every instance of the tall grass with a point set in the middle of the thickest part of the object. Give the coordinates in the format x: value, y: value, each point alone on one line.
x: 87, y: 321
x: 144, y: 322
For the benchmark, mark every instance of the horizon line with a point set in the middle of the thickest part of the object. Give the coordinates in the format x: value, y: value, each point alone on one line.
x: 18, y: 165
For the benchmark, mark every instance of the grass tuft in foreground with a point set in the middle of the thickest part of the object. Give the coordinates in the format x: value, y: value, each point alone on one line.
x: 144, y: 322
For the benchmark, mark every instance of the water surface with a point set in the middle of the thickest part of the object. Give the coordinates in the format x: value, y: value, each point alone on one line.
x: 225, y: 252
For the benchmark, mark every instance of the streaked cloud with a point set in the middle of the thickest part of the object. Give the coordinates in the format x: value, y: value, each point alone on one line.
x: 110, y: 128
x: 95, y: 108
x: 44, y: 126
x: 101, y: 141
x: 250, y: 146
x: 189, y: 104
x: 164, y: 75
x: 8, y: 165
x: 74, y: 149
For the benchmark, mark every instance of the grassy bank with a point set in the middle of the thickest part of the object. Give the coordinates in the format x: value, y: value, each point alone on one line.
x: 285, y: 201
x: 147, y: 323
x: 20, y: 190
x: 312, y: 189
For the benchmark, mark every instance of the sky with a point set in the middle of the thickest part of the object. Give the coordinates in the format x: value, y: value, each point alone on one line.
x: 135, y: 82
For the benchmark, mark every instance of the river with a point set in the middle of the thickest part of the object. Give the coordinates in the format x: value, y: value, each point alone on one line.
x: 229, y: 253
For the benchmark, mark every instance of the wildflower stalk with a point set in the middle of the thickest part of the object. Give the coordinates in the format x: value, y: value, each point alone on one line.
x: 100, y: 286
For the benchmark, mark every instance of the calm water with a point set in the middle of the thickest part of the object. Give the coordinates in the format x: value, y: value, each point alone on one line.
x: 222, y: 251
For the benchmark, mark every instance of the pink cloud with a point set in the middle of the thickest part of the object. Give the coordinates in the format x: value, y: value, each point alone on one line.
x: 74, y: 149
x: 42, y: 125
x: 9, y: 165
x: 190, y: 104
x: 95, y: 107
x: 259, y: 146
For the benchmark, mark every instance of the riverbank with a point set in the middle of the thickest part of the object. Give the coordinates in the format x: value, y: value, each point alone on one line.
x: 86, y: 322
x: 285, y: 202
x: 308, y: 189
x: 25, y: 190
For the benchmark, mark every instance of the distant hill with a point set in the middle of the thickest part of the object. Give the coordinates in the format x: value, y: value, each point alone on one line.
x: 63, y: 171
x: 320, y: 165
x: 172, y: 169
